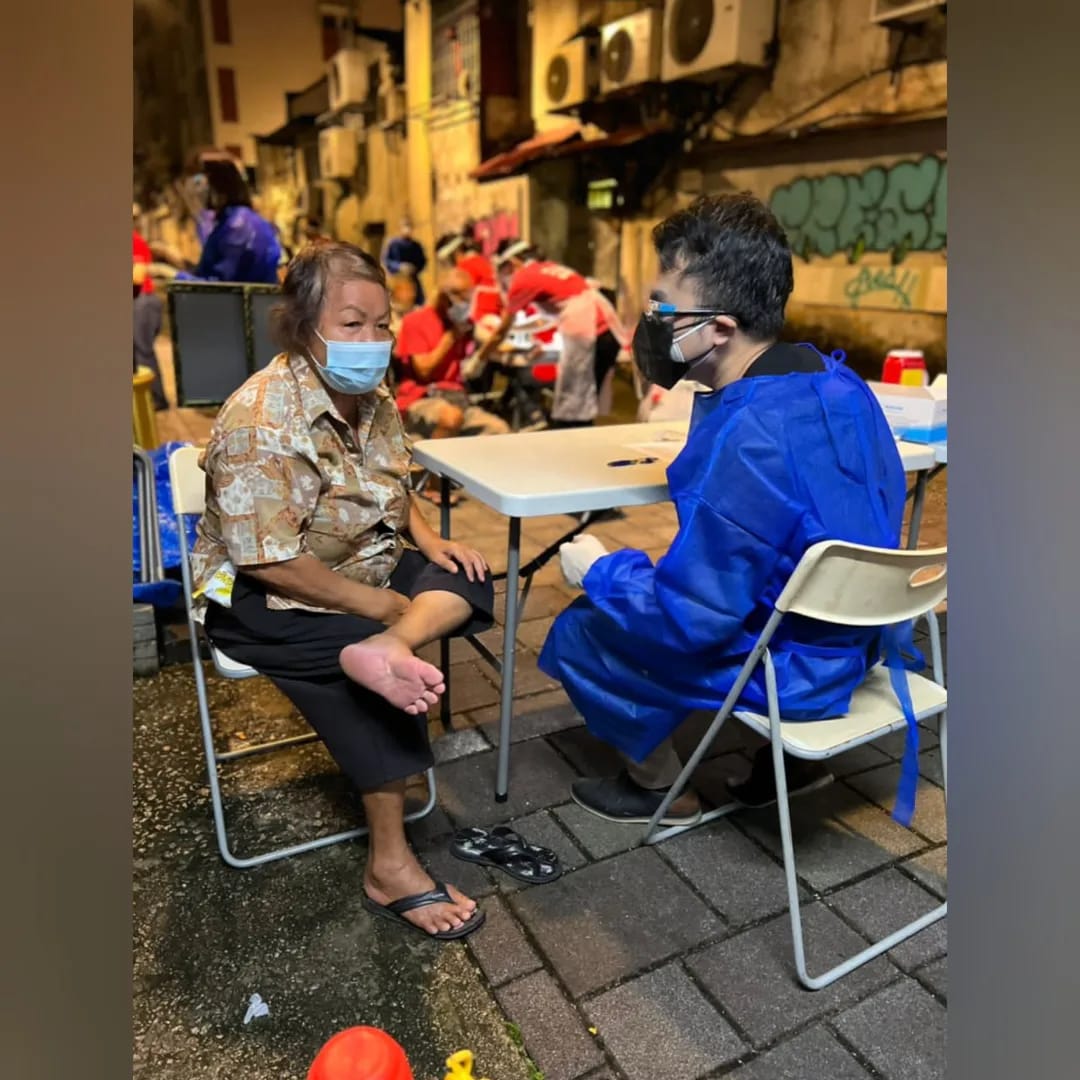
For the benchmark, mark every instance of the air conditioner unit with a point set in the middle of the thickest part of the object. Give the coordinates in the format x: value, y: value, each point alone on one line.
x: 339, y: 153
x: 895, y: 12
x: 350, y: 78
x: 570, y: 77
x: 390, y: 108
x: 630, y: 51
x: 702, y: 38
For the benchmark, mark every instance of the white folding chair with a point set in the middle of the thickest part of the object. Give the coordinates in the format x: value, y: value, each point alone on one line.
x: 189, y: 495
x: 150, y: 567
x: 848, y: 585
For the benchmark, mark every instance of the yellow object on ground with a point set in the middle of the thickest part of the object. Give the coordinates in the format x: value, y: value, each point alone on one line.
x: 143, y: 417
x: 460, y: 1066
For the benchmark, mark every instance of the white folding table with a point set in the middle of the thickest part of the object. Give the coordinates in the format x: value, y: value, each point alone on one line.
x: 566, y: 471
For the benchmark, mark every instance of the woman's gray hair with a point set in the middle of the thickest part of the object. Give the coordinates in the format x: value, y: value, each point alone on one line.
x: 304, y: 289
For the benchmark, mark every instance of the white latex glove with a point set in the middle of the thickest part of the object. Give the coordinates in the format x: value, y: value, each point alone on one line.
x: 578, y: 556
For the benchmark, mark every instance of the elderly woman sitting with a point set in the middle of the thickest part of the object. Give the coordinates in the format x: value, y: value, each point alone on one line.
x: 314, y: 565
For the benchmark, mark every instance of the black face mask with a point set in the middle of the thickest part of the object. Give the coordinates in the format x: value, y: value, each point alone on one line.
x: 652, y: 352
x: 655, y: 350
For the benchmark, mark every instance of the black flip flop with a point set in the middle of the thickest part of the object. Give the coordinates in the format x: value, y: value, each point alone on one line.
x: 506, y: 850
x: 395, y: 912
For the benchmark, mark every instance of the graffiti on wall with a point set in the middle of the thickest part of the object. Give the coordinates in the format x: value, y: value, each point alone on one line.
x: 499, y: 225
x: 894, y: 210
x: 882, y: 284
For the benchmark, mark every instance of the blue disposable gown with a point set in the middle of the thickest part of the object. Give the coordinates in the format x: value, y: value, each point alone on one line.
x: 772, y: 465
x: 241, y: 247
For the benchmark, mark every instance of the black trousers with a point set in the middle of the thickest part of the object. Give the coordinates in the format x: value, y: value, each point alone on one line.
x: 147, y: 326
x: 372, y: 742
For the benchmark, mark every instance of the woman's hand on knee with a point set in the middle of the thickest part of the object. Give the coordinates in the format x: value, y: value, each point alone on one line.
x: 451, y: 555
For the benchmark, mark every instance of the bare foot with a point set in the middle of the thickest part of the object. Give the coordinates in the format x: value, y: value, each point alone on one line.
x: 384, y: 884
x: 388, y: 667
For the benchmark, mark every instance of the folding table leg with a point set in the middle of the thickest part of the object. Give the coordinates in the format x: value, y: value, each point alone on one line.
x: 445, y: 708
x: 921, y: 482
x: 510, y: 622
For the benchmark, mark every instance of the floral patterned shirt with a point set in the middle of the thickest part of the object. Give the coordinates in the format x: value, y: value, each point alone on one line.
x: 287, y: 476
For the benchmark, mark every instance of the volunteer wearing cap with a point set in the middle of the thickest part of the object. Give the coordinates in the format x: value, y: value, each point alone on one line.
x: 431, y: 349
x: 548, y: 299
x: 590, y: 332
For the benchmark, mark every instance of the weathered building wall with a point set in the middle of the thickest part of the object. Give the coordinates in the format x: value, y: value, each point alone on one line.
x: 444, y: 147
x: 171, y: 106
x: 275, y: 46
x: 865, y: 209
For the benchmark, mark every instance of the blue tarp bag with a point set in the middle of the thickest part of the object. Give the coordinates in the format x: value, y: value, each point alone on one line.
x: 160, y: 593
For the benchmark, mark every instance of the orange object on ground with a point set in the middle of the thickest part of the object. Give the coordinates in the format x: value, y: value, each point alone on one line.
x: 361, y: 1053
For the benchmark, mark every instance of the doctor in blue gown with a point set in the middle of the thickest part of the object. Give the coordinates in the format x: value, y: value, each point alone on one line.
x: 790, y: 448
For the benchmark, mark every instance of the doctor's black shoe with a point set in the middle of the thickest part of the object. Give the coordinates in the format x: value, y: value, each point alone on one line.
x: 620, y: 799
x: 758, y: 790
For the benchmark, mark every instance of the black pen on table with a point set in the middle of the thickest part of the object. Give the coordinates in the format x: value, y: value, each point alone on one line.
x: 631, y: 461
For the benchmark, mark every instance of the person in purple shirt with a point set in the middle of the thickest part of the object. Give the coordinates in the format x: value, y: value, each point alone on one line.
x: 241, y: 246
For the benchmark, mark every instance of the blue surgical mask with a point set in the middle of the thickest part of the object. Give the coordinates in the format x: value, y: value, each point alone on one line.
x: 354, y: 367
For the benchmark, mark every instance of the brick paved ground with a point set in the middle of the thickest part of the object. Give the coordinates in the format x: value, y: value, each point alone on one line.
x: 656, y: 963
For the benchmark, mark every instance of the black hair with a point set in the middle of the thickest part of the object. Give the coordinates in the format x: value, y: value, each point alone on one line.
x: 736, y: 254
x: 228, y: 186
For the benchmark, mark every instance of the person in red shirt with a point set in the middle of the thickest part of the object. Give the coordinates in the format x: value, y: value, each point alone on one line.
x: 146, y: 317
x: 142, y: 255
x: 590, y: 332
x: 432, y: 346
x: 477, y: 266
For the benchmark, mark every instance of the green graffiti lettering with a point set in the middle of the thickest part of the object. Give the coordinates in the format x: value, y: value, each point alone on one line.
x: 900, y: 283
x: 894, y: 210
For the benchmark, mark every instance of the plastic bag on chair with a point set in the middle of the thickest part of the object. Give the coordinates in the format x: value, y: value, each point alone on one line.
x: 161, y: 594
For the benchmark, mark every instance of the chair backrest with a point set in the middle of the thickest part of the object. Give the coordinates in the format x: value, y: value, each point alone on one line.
x: 188, y: 481
x: 853, y: 585
x: 209, y: 336
x: 261, y: 299
x: 221, y: 334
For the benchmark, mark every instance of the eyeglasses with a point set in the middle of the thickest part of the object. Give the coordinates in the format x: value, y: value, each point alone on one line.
x: 671, y: 311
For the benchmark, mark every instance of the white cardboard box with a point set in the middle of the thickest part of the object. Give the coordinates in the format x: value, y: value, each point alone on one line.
x: 916, y: 413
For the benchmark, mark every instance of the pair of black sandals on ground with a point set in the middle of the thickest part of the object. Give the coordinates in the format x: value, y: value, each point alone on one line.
x: 501, y: 848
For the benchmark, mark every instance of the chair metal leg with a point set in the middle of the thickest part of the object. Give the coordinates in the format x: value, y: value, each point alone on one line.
x: 445, y: 708
x: 760, y: 649
x: 818, y: 982
x: 266, y: 747
x: 652, y: 835
x: 213, y: 759
x: 943, y: 738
